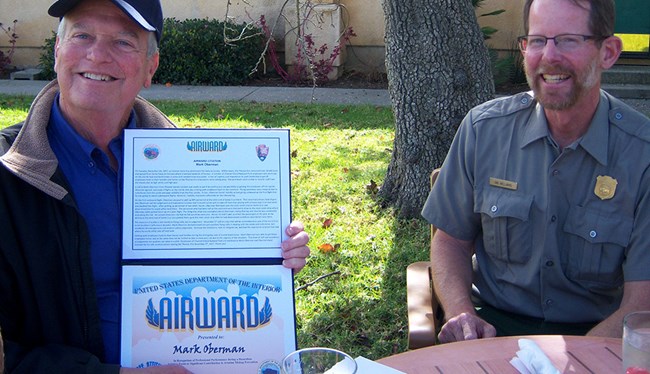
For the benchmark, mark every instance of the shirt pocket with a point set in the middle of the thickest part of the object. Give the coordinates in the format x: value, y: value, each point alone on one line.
x: 596, y: 246
x: 506, y: 225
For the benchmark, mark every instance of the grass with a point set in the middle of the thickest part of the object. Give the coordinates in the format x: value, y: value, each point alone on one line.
x: 359, y: 249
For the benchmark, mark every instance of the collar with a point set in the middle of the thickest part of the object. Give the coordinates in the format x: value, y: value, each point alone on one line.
x: 72, y: 140
x: 594, y: 141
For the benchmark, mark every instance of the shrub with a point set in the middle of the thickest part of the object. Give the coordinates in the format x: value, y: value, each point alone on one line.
x: 194, y: 52
x: 46, y: 60
x: 507, y: 67
x: 5, y: 58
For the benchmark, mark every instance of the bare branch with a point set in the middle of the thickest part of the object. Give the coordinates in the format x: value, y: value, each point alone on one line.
x: 309, y: 284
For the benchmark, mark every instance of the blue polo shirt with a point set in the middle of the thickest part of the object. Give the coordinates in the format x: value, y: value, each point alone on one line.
x: 97, y: 190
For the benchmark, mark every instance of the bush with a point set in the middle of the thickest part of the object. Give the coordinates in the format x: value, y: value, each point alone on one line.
x: 5, y: 58
x: 507, y: 69
x: 46, y: 60
x: 194, y: 52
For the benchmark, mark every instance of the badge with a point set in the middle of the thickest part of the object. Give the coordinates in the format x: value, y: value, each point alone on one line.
x: 605, y: 187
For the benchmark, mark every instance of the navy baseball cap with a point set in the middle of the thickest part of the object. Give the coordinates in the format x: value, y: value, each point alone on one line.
x: 146, y: 13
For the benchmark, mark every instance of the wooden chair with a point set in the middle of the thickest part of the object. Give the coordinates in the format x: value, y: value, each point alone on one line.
x: 424, y: 312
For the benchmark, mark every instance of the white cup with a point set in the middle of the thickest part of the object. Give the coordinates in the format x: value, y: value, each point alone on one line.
x: 318, y: 360
x: 636, y: 342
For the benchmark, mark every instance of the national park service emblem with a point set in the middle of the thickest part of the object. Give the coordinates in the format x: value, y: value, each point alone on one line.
x: 605, y: 187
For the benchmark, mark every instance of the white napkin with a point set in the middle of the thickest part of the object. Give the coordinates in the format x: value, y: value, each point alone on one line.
x: 365, y: 366
x: 531, y: 359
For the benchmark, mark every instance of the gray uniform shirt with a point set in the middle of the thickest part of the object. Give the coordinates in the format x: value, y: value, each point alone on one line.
x: 556, y: 233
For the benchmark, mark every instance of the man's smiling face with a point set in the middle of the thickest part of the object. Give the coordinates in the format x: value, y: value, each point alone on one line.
x: 101, y: 60
x: 560, y: 80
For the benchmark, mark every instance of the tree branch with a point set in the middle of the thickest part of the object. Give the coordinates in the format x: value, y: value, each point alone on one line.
x: 309, y: 284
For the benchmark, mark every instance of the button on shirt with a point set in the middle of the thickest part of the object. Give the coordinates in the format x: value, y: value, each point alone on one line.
x: 547, y: 244
x: 97, y: 191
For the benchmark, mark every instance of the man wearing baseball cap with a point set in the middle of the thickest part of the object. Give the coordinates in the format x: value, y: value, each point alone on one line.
x: 60, y: 192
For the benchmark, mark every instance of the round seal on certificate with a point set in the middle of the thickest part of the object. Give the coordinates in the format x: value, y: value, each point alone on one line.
x: 269, y: 367
x: 151, y: 151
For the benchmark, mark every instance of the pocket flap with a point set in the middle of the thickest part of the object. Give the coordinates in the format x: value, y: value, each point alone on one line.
x: 498, y: 203
x: 597, y: 228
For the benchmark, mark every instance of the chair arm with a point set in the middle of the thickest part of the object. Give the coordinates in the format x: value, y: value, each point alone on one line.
x: 421, y: 304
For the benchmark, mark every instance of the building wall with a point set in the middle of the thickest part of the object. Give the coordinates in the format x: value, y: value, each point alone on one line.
x: 509, y: 23
x: 364, y: 16
x: 32, y: 28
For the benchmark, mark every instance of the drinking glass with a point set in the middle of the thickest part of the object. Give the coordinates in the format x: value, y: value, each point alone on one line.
x: 318, y: 360
x: 636, y: 343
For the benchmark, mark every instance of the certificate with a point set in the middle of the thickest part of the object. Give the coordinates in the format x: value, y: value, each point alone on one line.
x: 209, y: 319
x: 205, y: 193
x: 204, y: 213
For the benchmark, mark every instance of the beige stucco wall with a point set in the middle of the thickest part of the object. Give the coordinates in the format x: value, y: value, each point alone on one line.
x: 32, y: 28
x: 364, y: 16
x: 509, y: 23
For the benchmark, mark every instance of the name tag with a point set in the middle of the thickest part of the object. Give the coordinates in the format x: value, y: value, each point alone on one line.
x: 496, y: 182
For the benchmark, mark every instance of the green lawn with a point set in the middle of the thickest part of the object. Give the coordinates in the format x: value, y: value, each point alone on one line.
x: 337, y: 153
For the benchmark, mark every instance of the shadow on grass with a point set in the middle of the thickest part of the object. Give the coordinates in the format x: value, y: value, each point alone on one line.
x: 362, y: 325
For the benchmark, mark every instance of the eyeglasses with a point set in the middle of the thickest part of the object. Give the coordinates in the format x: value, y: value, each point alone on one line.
x: 563, y: 42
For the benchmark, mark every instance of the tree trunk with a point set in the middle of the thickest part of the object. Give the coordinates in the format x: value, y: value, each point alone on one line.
x: 438, y: 68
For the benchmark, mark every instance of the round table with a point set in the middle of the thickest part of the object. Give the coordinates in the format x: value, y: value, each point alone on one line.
x: 569, y: 354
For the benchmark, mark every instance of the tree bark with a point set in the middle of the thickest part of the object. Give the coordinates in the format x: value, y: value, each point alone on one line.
x: 438, y: 68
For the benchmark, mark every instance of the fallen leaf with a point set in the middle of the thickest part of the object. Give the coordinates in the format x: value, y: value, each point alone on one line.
x: 327, y: 223
x: 294, y: 153
x: 326, y: 248
x: 345, y: 170
x: 168, y: 84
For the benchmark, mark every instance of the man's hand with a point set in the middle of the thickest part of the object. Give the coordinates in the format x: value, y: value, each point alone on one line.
x: 294, y: 249
x: 465, y: 326
x: 164, y: 369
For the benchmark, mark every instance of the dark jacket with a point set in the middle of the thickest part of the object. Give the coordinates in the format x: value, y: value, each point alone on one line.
x: 48, y: 306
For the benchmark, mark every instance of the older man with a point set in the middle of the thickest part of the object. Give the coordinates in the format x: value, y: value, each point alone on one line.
x: 60, y: 191
x: 549, y: 191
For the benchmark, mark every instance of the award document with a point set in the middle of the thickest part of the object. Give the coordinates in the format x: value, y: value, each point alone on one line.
x: 205, y: 193
x: 204, y: 213
x: 209, y: 319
